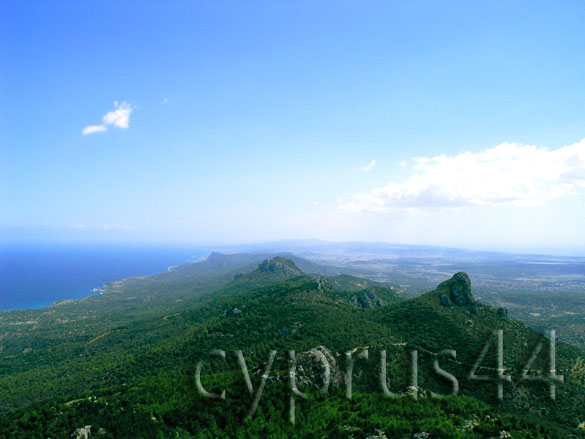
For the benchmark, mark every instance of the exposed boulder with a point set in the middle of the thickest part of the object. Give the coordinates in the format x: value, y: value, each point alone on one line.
x: 310, y: 370
x: 86, y: 432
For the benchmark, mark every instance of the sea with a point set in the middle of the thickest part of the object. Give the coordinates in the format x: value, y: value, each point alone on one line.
x: 35, y: 276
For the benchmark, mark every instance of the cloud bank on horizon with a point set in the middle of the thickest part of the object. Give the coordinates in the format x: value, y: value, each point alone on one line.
x: 512, y: 174
x: 118, y: 117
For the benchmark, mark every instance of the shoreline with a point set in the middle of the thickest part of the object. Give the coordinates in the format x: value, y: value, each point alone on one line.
x: 36, y: 279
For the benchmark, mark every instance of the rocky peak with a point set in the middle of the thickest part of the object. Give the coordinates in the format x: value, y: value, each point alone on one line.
x: 279, y: 265
x: 456, y: 290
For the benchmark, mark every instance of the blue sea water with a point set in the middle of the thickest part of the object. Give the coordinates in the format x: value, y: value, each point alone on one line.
x: 37, y: 276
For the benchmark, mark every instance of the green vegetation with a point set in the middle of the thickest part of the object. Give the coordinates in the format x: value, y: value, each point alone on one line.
x: 129, y: 370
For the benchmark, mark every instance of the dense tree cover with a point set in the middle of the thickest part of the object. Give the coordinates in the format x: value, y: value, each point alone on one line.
x: 170, y: 407
x: 136, y: 379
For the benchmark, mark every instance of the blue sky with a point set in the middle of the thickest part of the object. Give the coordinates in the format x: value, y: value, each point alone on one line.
x: 248, y: 121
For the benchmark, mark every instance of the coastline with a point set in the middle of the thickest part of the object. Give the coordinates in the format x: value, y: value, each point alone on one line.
x: 41, y: 277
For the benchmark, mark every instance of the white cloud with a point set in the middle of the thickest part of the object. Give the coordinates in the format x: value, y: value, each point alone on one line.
x: 508, y: 174
x: 369, y: 166
x: 90, y: 129
x: 119, y: 117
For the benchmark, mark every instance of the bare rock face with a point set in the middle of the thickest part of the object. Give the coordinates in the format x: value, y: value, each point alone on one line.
x: 311, y: 372
x: 279, y: 265
x: 461, y: 289
x: 366, y: 299
x: 456, y: 290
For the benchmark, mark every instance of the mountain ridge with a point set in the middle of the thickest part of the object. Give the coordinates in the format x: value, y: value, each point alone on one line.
x: 277, y: 306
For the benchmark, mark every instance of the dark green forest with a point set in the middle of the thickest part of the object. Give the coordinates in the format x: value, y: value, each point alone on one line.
x: 124, y: 364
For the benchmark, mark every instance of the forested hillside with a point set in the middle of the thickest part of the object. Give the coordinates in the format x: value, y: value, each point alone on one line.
x: 136, y: 374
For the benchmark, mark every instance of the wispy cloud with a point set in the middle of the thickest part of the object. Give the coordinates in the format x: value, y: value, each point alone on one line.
x: 90, y: 129
x: 369, y: 166
x: 508, y: 174
x: 118, y: 117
